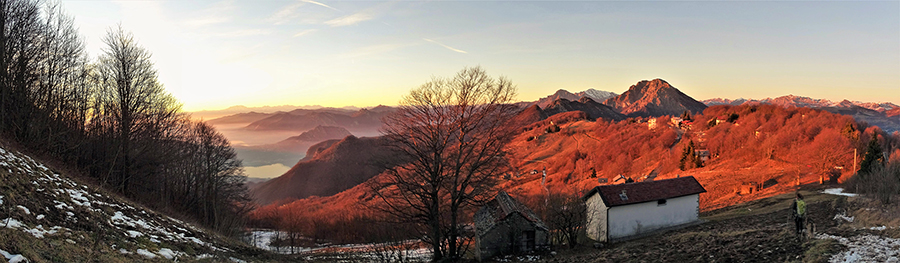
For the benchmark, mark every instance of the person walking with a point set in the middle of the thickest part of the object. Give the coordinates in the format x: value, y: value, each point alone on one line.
x: 798, y: 209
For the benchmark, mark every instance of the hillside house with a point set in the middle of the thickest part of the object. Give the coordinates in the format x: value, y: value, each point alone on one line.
x: 619, y: 211
x: 505, y: 226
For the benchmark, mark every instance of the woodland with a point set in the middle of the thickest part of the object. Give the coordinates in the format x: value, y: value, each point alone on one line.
x: 109, y: 119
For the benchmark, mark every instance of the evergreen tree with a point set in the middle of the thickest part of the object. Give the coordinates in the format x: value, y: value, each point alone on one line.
x: 687, y: 157
x: 874, y: 156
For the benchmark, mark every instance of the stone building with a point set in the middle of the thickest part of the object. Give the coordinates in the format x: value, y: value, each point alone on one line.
x: 505, y: 226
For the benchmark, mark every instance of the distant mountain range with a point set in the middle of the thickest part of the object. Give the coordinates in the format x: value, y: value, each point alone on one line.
x: 212, y: 114
x: 365, y: 121
x: 885, y: 115
x: 587, y: 105
x: 799, y: 101
x: 302, y: 142
x: 596, y: 95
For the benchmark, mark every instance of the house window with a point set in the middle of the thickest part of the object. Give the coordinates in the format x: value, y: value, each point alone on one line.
x: 661, y: 202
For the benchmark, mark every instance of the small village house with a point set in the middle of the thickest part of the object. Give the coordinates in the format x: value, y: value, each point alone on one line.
x: 505, y: 226
x: 621, y: 211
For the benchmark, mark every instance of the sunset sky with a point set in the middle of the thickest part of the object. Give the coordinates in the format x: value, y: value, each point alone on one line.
x: 213, y: 55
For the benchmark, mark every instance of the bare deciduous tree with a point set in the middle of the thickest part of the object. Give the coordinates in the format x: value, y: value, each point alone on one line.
x: 566, y: 216
x: 132, y: 98
x: 451, y: 135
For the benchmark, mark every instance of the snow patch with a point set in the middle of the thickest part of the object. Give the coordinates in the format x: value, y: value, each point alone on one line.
x: 13, y: 258
x: 145, y: 253
x: 25, y: 209
x: 837, y: 191
x: 39, y: 231
x: 865, y: 248
x: 39, y: 217
x: 134, y: 234
x: 12, y: 223
x: 844, y: 217
x: 168, y: 253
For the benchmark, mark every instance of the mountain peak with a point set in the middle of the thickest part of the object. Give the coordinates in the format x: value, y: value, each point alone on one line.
x: 654, y: 98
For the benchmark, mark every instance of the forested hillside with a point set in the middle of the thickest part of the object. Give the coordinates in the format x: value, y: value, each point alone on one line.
x: 110, y: 119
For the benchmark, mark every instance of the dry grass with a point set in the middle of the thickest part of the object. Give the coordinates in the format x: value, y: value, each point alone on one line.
x: 820, y: 250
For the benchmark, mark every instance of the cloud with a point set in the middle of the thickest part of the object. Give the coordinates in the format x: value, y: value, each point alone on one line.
x: 320, y: 4
x: 350, y: 20
x: 286, y: 14
x: 304, y: 32
x: 290, y: 12
x: 446, y: 46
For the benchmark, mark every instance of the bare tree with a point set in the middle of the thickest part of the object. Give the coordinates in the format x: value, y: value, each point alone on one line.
x: 132, y: 99
x: 452, y: 133
x: 566, y: 215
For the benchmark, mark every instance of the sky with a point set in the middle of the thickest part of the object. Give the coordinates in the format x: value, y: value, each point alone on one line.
x: 216, y: 54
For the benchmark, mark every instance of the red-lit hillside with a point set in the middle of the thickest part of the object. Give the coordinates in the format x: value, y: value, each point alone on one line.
x: 763, y: 144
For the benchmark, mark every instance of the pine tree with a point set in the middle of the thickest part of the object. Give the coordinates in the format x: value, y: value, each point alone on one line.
x: 687, y: 157
x: 874, y: 156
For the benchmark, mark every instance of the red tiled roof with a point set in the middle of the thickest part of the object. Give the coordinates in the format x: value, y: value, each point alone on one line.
x: 612, y: 195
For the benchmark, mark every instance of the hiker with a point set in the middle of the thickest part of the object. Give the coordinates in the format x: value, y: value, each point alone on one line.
x: 798, y: 209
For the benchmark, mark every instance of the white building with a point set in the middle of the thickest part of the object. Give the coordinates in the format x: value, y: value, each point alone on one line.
x: 619, y: 211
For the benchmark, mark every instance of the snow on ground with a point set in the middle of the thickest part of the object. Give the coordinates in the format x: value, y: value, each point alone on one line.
x: 837, y: 191
x: 866, y: 248
x: 75, y: 201
x: 145, y: 253
x: 262, y: 238
x: 13, y: 258
x: 168, y: 253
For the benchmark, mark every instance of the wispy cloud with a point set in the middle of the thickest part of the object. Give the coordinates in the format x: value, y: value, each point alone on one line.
x: 321, y: 4
x: 350, y: 20
x: 446, y: 46
x: 364, y: 15
x: 286, y: 14
x: 304, y: 32
x: 291, y: 12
